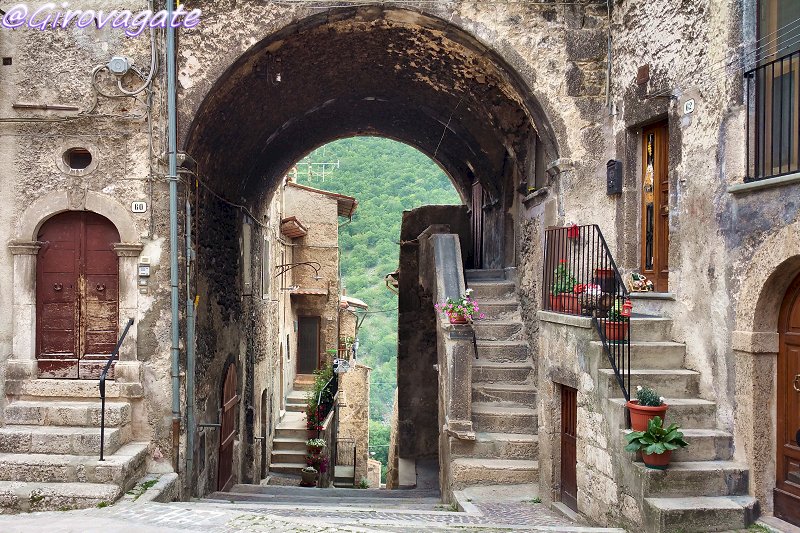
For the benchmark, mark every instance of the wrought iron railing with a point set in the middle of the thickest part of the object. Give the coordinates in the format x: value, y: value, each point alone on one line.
x: 581, y: 278
x: 114, y: 355
x: 773, y: 118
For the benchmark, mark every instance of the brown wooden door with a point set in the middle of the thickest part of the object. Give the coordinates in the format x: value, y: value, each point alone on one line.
x: 227, y: 433
x: 307, y: 344
x: 787, y: 487
x: 655, y: 205
x: 77, y: 295
x: 569, y: 421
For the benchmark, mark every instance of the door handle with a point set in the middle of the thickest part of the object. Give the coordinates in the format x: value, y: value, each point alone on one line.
x: 57, y: 286
x: 100, y: 287
x: 796, y: 383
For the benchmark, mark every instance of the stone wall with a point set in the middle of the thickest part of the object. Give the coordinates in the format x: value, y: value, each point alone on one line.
x: 354, y: 415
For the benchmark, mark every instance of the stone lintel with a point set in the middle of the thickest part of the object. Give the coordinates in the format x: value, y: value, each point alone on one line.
x: 128, y: 249
x: 756, y: 342
x: 19, y: 247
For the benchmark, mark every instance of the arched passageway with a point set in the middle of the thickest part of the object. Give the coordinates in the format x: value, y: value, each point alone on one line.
x: 368, y: 71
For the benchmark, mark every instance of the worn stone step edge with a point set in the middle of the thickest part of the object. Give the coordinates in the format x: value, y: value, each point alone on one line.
x: 27, y: 496
x: 66, y: 413
x: 700, y: 513
x: 66, y: 440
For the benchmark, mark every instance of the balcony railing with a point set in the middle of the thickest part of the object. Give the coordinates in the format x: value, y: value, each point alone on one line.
x: 581, y: 278
x: 773, y: 118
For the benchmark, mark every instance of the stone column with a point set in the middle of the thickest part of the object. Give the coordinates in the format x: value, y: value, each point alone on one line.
x: 22, y: 363
x: 128, y: 368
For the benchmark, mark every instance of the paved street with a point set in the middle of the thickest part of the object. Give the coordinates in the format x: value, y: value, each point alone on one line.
x: 482, y: 514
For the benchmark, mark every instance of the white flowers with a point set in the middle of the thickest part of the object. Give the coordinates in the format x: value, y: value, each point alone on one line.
x: 468, y: 292
x: 662, y: 399
x: 638, y: 387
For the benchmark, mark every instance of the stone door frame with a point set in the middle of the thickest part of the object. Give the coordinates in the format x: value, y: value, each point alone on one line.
x: 24, y: 249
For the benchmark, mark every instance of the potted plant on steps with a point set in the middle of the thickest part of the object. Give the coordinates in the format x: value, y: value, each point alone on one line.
x: 647, y: 405
x: 562, y: 296
x: 315, y: 446
x: 617, y: 322
x: 462, y: 310
x: 308, y: 477
x: 656, y: 443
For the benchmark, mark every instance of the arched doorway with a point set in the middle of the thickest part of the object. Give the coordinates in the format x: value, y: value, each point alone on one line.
x: 77, y: 295
x: 787, y: 486
x: 227, y: 433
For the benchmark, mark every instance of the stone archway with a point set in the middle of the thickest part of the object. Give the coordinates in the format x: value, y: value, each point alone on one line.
x: 24, y: 248
x: 775, y: 263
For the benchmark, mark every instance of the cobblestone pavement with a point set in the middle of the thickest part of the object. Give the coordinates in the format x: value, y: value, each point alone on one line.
x: 206, y: 517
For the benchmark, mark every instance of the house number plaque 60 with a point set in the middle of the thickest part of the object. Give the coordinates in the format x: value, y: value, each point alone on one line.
x: 138, y: 207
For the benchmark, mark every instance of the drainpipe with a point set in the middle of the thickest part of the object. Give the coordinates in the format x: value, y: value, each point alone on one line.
x: 190, y: 311
x: 172, y: 177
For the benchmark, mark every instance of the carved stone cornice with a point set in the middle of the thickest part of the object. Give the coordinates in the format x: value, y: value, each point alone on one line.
x: 128, y: 249
x: 19, y: 247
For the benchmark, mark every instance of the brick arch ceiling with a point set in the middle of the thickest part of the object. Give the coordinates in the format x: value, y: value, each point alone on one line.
x: 375, y: 71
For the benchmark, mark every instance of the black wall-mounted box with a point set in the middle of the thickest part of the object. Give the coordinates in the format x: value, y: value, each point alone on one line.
x: 614, y: 177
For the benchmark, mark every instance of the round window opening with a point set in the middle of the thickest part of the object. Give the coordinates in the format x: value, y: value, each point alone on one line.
x: 77, y: 158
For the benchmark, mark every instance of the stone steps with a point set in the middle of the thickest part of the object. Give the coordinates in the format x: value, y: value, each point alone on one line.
x: 467, y: 472
x: 66, y: 413
x: 650, y: 328
x: 488, y: 274
x: 62, y: 440
x: 498, y: 446
x: 693, y: 478
x: 524, y: 395
x: 22, y: 496
x: 696, y: 514
x: 295, y: 407
x: 70, y: 389
x: 496, y: 309
x: 288, y: 443
x: 672, y: 383
x: 686, y: 412
x: 287, y: 468
x: 484, y: 371
x: 289, y: 456
x: 648, y: 355
x: 119, y: 468
x: 504, y: 351
x: 493, y: 418
x: 704, y: 445
x: 498, y: 329
x: 491, y: 289
x: 332, y: 494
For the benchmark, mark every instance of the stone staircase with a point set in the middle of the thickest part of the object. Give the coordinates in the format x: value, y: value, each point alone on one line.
x: 289, y: 444
x: 703, y: 489
x: 504, y: 412
x: 310, y: 498
x: 50, y: 445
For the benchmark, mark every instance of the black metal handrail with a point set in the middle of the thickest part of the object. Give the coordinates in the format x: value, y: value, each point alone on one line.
x: 581, y: 278
x: 103, y: 374
x: 773, y: 118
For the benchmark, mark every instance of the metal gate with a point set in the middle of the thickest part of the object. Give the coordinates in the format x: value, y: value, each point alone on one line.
x: 477, y: 225
x: 569, y: 421
x: 227, y: 429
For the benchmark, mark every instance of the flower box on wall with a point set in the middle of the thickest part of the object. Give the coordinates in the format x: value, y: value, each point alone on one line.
x: 293, y: 228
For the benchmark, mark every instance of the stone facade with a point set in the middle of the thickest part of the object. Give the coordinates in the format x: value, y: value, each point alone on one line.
x: 534, y: 104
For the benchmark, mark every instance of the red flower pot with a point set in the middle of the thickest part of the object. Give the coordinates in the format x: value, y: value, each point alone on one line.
x: 658, y: 461
x: 456, y: 318
x: 642, y: 414
x: 570, y: 303
x: 616, y: 330
x: 555, y: 303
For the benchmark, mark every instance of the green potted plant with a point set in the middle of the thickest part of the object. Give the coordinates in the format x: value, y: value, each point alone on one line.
x: 656, y: 443
x: 616, y: 324
x: 315, y: 446
x: 462, y: 310
x: 647, y: 405
x: 562, y: 297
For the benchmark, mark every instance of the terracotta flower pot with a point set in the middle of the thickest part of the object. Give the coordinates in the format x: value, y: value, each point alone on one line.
x: 308, y: 478
x: 456, y: 318
x: 642, y: 414
x: 616, y: 330
x: 658, y: 461
x: 555, y: 303
x: 570, y: 303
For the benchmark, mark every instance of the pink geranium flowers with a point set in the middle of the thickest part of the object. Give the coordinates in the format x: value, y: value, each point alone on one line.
x: 464, y: 307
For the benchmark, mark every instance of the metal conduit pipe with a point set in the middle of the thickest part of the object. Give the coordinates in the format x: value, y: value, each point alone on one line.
x: 172, y: 177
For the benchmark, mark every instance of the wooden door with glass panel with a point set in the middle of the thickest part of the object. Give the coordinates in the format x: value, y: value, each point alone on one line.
x: 787, y: 475
x: 655, y: 206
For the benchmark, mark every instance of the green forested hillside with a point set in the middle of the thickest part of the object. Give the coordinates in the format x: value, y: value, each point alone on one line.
x: 387, y: 178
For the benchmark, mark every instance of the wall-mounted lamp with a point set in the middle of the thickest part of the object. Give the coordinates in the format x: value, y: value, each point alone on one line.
x: 286, y: 267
